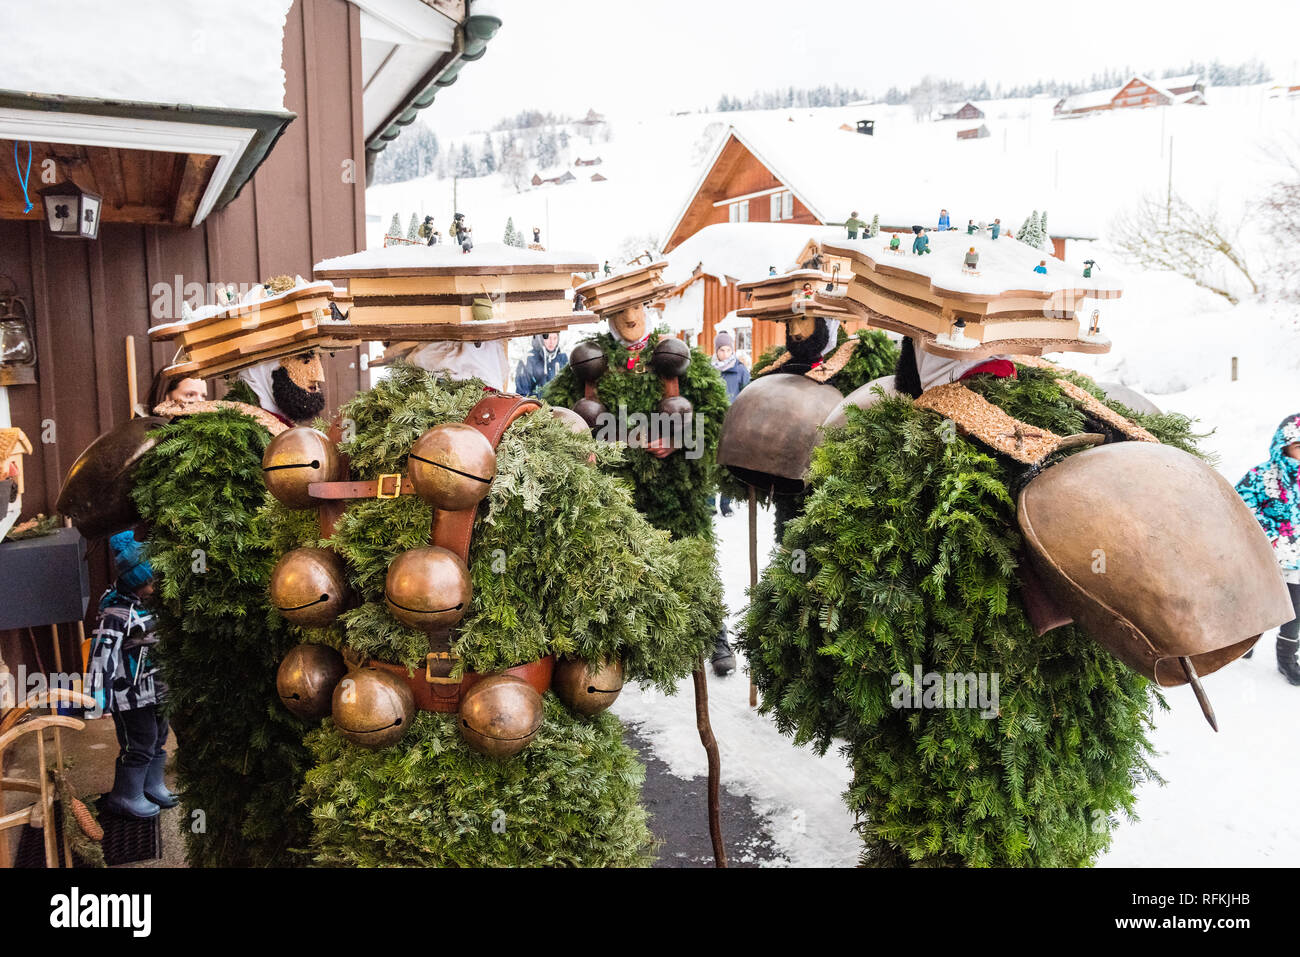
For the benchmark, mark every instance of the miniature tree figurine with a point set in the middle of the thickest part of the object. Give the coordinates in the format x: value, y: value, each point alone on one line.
x: 394, y: 228
x: 413, y: 229
x: 875, y: 226
x: 509, y: 237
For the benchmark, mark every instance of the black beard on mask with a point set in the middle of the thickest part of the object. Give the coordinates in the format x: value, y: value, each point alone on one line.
x: 807, y: 351
x: 907, y: 375
x: 295, y: 402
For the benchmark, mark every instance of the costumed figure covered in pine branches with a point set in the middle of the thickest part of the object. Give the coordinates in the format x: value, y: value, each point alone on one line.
x: 995, y: 574
x: 773, y: 425
x: 473, y: 585
x: 660, y: 397
x: 192, y: 474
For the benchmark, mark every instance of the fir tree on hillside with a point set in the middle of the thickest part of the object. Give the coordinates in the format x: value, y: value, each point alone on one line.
x: 1028, y: 231
x: 487, y: 163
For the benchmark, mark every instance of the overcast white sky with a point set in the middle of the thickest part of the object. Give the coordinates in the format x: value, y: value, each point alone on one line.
x: 566, y: 55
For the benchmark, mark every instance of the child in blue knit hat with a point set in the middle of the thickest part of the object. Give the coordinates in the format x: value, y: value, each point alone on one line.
x: 124, y: 679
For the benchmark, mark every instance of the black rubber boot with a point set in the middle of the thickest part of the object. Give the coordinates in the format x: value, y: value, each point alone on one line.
x: 127, y: 797
x: 1286, y: 659
x: 724, y: 659
x: 155, y: 788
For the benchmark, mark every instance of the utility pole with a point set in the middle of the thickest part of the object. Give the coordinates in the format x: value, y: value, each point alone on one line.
x: 455, y: 203
x: 1169, y: 191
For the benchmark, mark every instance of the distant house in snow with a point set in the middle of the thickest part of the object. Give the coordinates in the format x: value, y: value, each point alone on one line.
x: 592, y: 118
x: 977, y: 133
x: 1138, y: 92
x: 560, y: 180
x: 594, y: 161
x: 968, y: 111
x: 597, y: 178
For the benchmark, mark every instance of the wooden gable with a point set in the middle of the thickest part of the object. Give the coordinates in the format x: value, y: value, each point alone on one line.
x: 736, y: 172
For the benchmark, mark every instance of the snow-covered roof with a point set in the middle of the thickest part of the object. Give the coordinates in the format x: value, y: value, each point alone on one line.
x: 742, y: 251
x: 191, y: 52
x: 1088, y: 101
x: 448, y: 257
x: 904, y: 178
x: 1175, y: 82
x: 1005, y: 266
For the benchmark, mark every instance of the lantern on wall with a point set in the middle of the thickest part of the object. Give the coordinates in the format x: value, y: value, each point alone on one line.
x: 70, y: 211
x: 17, y: 344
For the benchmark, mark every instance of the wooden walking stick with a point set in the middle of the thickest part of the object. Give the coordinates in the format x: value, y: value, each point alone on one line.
x: 753, y: 574
x: 1201, y: 697
x: 715, y: 764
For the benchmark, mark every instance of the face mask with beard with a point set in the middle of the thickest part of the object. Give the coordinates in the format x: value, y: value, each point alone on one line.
x: 804, y: 352
x: 290, y: 387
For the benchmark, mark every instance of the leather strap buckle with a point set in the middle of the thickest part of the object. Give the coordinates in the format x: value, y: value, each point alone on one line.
x: 433, y: 679
x: 396, y: 478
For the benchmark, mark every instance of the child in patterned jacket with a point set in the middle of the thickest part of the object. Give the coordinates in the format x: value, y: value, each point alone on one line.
x: 1272, y: 490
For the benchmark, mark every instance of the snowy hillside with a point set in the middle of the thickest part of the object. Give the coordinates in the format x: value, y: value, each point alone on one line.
x: 1082, y: 170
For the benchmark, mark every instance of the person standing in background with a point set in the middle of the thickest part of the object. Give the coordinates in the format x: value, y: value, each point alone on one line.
x: 540, y: 366
x: 735, y: 377
x: 1272, y: 490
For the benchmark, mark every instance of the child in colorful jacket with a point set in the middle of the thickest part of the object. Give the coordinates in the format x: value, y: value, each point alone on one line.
x: 125, y: 681
x: 1272, y: 490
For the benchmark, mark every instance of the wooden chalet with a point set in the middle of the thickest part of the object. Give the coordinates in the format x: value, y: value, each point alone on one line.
x: 967, y: 111
x: 1139, y: 92
x: 236, y: 148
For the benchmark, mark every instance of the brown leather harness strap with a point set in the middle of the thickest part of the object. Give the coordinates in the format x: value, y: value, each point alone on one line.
x: 445, y: 698
x: 386, y: 486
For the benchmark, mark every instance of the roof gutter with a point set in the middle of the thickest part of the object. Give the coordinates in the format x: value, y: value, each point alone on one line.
x: 471, y: 43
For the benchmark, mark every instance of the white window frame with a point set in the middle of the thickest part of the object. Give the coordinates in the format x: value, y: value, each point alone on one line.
x: 738, y: 212
x: 781, y: 206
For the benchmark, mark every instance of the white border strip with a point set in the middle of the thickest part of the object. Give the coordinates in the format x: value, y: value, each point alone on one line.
x: 116, y: 132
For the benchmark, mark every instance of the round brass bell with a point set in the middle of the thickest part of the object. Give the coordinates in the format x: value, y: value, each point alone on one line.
x: 675, y: 405
x: 587, y: 688
x: 372, y: 708
x: 452, y: 466
x: 309, y: 586
x: 671, y: 358
x: 500, y: 715
x: 293, y: 460
x: 306, y: 679
x: 588, y: 361
x: 590, y: 410
x: 428, y: 588
x: 571, y: 420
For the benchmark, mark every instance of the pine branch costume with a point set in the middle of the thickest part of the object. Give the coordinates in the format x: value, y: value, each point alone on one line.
x: 241, y: 758
x: 562, y: 564
x: 674, y: 493
x: 905, y: 561
x: 872, y: 355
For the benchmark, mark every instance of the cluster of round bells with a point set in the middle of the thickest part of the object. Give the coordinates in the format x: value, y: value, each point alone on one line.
x: 451, y: 467
x: 670, y: 358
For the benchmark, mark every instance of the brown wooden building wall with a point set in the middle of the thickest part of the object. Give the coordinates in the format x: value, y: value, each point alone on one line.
x: 735, y: 173
x: 87, y: 297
